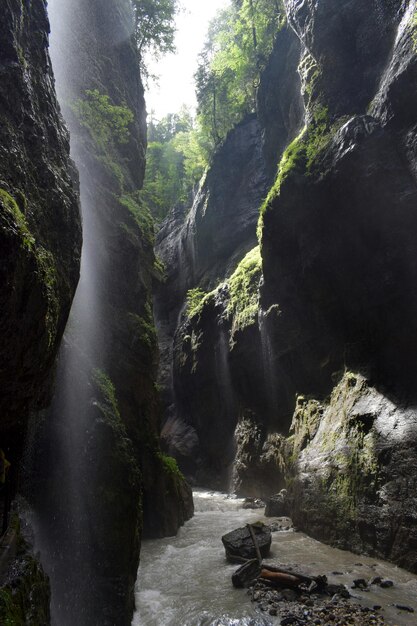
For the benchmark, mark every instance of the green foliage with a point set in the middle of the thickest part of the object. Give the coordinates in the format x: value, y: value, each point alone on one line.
x: 108, y: 391
x: 144, y: 330
x: 159, y: 269
x: 154, y: 27
x: 48, y: 277
x: 108, y: 127
x: 175, y: 162
x: 237, y: 48
x: 140, y: 213
x: 195, y: 298
x: 45, y: 262
x: 302, y: 154
x: 170, y: 465
x: 244, y: 291
x: 106, y: 122
x: 318, y: 135
x: 18, y: 220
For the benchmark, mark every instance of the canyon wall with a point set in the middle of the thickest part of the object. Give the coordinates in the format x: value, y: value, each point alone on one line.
x: 40, y: 248
x: 309, y: 343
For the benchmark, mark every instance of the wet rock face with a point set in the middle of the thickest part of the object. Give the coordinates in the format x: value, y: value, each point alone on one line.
x: 338, y: 291
x: 279, y: 100
x: 25, y: 592
x: 341, y: 262
x: 339, y: 258
x: 122, y: 486
x: 354, y: 479
x: 350, y: 42
x: 198, y: 249
x: 40, y: 231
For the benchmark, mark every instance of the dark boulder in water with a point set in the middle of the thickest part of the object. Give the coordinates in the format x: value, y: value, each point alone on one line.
x: 239, y: 544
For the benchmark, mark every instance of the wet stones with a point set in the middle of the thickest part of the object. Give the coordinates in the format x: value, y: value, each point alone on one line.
x: 276, y: 505
x: 386, y: 584
x: 240, y: 546
x: 307, y: 610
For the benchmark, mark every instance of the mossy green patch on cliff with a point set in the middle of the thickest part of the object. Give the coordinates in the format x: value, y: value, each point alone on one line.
x: 170, y: 465
x: 140, y: 214
x: 105, y: 121
x: 108, y: 128
x: 189, y: 348
x: 19, y: 226
x: 46, y: 271
x: 195, y: 301
x: 292, y: 159
x: 142, y: 328
x: 107, y: 389
x: 25, y: 596
x: 338, y: 445
x: 305, y: 423
x: 243, y: 304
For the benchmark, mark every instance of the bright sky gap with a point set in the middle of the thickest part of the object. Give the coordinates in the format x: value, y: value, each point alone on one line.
x: 175, y: 71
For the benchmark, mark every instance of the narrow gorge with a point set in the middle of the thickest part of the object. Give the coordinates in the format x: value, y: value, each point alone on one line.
x: 219, y: 299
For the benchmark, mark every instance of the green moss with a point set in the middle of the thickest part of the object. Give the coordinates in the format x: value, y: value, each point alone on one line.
x: 107, y: 389
x: 293, y: 158
x: 21, y: 228
x: 195, y: 301
x: 189, y: 348
x: 24, y: 598
x: 306, y: 421
x: 243, y: 304
x: 319, y: 135
x: 170, y: 465
x: 143, y: 329
x: 45, y: 261
x: 159, y: 269
x: 350, y: 469
x: 106, y: 122
x: 140, y: 214
x: 10, y: 612
x: 310, y: 75
x: 108, y: 128
x: 48, y: 276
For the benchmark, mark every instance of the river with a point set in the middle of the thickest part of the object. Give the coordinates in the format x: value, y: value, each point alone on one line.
x: 185, y: 580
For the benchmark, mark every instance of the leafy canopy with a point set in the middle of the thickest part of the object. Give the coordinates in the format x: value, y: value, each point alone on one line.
x: 238, y: 44
x: 154, y: 26
x: 175, y: 162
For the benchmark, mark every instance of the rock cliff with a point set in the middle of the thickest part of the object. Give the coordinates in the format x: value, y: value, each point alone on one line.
x: 40, y: 226
x: 40, y: 248
x: 327, y: 307
x: 110, y: 484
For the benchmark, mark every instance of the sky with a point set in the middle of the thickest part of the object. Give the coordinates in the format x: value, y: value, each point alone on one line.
x: 176, y: 84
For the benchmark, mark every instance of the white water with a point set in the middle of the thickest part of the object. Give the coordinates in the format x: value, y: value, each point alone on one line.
x: 186, y: 581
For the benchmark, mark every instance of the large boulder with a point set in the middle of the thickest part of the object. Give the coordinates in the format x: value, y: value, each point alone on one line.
x: 240, y: 545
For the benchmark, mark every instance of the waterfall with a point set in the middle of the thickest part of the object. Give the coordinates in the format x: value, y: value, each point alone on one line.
x: 75, y: 441
x: 62, y: 521
x: 267, y: 361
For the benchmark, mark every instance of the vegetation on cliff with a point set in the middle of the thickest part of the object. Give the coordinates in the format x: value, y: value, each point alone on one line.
x: 239, y: 42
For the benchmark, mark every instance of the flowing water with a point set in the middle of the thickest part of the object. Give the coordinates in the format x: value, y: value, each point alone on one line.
x: 186, y: 581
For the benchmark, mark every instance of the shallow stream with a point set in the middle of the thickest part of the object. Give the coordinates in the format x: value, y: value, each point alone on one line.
x: 186, y: 581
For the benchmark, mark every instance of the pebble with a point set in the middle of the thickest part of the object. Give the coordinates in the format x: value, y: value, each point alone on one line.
x: 304, y: 610
x: 385, y: 584
x: 359, y: 583
x: 403, y: 607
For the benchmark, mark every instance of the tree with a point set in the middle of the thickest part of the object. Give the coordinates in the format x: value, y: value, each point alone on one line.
x: 155, y: 26
x: 239, y: 41
x: 175, y: 161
